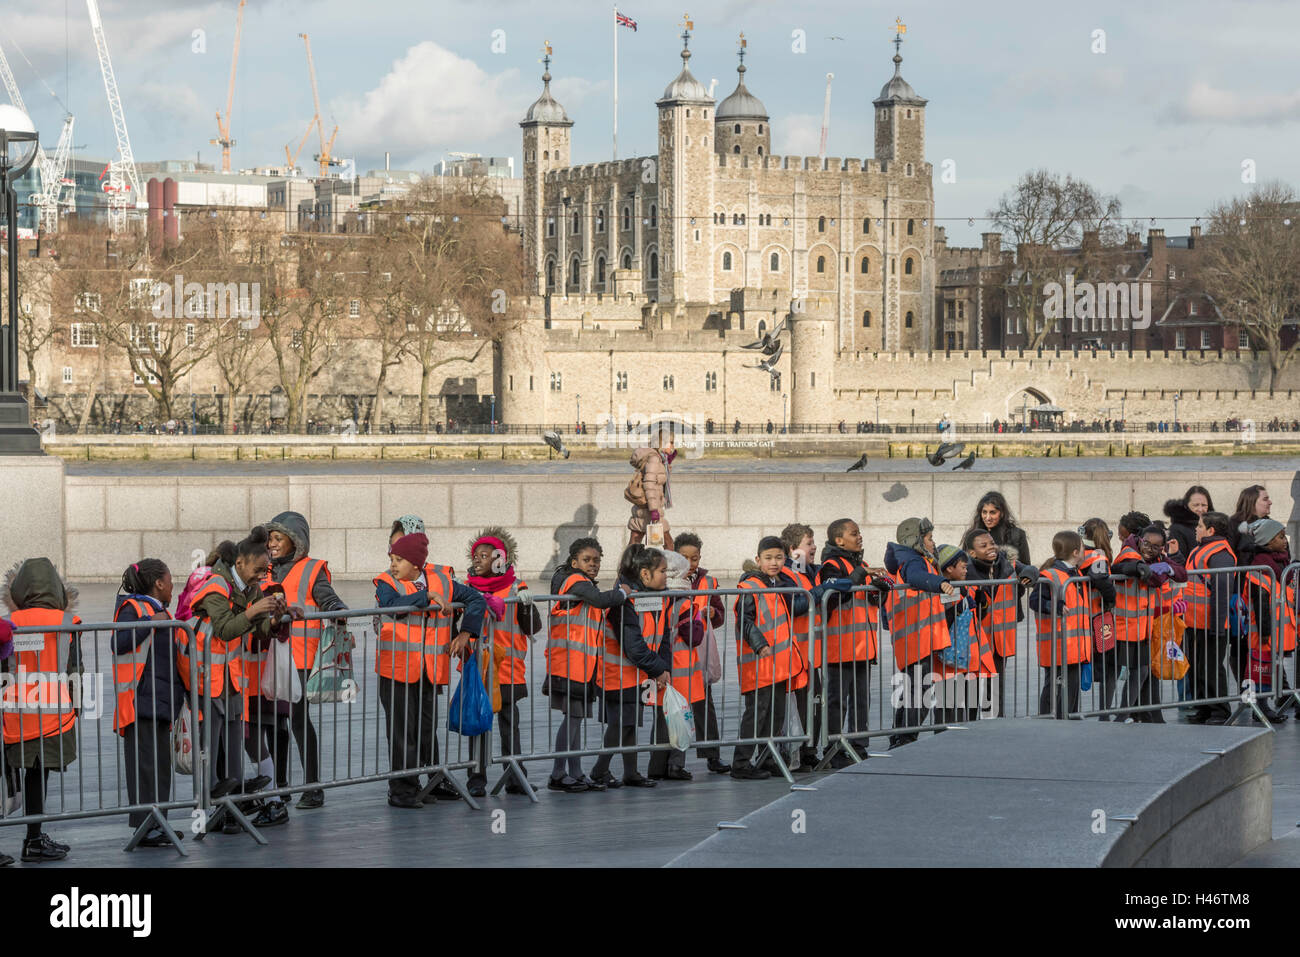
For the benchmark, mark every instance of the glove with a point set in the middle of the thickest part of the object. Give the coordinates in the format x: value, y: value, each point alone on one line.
x: 525, y: 596
x: 1162, y: 568
x: 1178, y: 606
x: 654, y: 515
x: 840, y: 584
x: 6, y: 637
x: 496, y: 607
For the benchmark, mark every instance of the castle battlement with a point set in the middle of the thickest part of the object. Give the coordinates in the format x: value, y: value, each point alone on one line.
x: 809, y: 164
x: 640, y: 340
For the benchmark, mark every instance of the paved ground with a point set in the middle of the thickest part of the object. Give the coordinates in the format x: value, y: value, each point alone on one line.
x: 624, y: 826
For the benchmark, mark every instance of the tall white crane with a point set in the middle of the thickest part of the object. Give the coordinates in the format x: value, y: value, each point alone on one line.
x: 826, y: 115
x: 51, y: 172
x: 123, y: 183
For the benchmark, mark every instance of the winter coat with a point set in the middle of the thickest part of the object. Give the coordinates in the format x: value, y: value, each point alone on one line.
x: 1003, y: 568
x: 796, y: 604
x: 36, y: 584
x: 625, y: 621
x: 1275, y: 562
x: 1182, y: 528
x: 295, y: 526
x: 909, y: 564
x: 1010, y: 537
x: 228, y: 617
x: 159, y: 692
x: 655, y: 474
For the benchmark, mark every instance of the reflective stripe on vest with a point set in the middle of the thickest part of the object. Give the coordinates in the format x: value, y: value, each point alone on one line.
x: 37, y: 671
x: 403, y: 657
x: 1197, y: 590
x: 304, y: 636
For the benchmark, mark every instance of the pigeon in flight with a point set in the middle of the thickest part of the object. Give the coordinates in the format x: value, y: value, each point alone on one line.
x: 554, y: 441
x: 945, y: 451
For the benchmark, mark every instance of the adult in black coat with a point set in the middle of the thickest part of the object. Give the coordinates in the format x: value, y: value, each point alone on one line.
x: 993, y: 513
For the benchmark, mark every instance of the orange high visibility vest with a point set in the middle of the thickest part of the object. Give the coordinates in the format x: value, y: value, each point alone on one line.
x: 784, y: 662
x: 304, y: 636
x: 1074, y: 626
x: 1262, y: 578
x: 509, y: 642
x: 226, y: 659
x: 851, y: 625
x: 1133, y: 603
x: 981, y: 648
x: 128, y: 668
x: 416, y: 643
x: 1197, y: 590
x: 999, y: 619
x: 574, y: 636
x: 38, y: 704
x: 803, y: 637
x: 616, y: 672
x: 1090, y: 558
x: 917, y: 625
x: 687, y: 672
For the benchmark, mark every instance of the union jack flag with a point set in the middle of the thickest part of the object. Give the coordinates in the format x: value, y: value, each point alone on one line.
x: 625, y: 21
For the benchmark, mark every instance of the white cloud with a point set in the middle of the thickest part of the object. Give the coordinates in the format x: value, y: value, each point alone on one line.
x: 798, y: 134
x: 174, y: 102
x: 1205, y: 104
x: 573, y: 91
x: 430, y: 101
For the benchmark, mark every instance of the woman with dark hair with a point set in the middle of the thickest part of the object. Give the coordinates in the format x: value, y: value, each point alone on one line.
x: 993, y: 515
x: 147, y: 685
x: 1184, y: 514
x: 1252, y: 504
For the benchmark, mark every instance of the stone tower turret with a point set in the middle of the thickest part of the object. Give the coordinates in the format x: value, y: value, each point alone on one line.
x: 900, y: 118
x: 742, y: 126
x: 686, y: 167
x: 546, y: 147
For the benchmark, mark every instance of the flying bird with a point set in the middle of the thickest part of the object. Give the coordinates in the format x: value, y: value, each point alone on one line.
x: 768, y: 365
x: 769, y: 341
x: 554, y: 441
x: 965, y: 463
x: 945, y: 451
x: 859, y: 465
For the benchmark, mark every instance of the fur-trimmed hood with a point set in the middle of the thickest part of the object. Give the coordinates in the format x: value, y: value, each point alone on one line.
x: 35, y: 583
x: 495, y: 531
x: 1180, y: 514
x: 679, y: 571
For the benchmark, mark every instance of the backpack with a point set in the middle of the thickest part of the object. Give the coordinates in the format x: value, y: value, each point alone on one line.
x: 635, y: 491
x: 184, y: 612
x: 331, y: 676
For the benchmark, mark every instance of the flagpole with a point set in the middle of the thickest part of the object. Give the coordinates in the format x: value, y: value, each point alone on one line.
x: 616, y: 83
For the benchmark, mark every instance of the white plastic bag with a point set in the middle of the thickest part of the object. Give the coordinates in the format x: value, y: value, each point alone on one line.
x: 182, y: 743
x: 679, y: 717
x: 279, y: 678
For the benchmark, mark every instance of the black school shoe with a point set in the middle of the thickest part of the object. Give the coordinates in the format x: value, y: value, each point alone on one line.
x: 5, y: 860
x: 312, y: 799
x: 594, y: 785
x: 159, y: 838
x: 272, y: 813
x: 404, y: 801
x: 639, y: 781
x: 568, y: 784
x: 477, y: 787
x: 607, y: 780
x: 719, y: 766
x: 41, y: 850
x: 747, y: 772
x: 52, y: 842
x: 445, y: 791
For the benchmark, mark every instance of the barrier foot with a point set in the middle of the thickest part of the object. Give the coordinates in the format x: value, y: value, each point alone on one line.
x: 156, y: 817
x: 512, y: 768
x: 773, y: 750
x: 1246, y: 708
x: 827, y: 754
x: 226, y: 806
x: 438, y: 777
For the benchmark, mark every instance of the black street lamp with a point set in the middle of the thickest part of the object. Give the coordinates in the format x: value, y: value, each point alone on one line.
x: 18, y: 142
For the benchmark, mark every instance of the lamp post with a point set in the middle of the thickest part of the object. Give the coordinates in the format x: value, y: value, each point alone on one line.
x: 18, y: 142
x: 577, y: 399
x: 877, y: 413
x: 494, y: 413
x: 1177, y: 395
x: 784, y: 396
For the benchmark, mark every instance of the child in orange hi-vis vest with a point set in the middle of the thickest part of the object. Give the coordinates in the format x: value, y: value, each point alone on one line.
x: 414, y: 658
x: 685, y: 631
x: 492, y: 555
x: 1064, y: 625
x: 967, y: 689
x: 710, y: 607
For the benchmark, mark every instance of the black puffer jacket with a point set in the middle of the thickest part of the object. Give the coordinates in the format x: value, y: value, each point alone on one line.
x: 1182, y: 529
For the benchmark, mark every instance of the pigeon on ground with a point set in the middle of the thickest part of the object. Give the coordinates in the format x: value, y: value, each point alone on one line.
x: 965, y: 463
x: 859, y: 465
x: 554, y: 441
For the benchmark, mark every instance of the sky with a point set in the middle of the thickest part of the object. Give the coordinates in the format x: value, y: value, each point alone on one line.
x: 1171, y: 106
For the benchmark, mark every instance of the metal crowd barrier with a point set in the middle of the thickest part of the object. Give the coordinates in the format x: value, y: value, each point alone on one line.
x: 1124, y: 683
x: 89, y: 777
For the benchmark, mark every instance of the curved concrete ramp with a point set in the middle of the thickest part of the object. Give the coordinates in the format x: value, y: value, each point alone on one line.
x: 1024, y: 793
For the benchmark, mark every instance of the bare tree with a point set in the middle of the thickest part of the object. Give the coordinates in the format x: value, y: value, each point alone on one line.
x: 35, y: 309
x: 1251, y: 269
x: 1042, y: 213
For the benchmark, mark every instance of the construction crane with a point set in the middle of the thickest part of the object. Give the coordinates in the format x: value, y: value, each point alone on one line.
x: 51, y: 172
x: 826, y: 116
x: 223, y: 126
x: 123, y: 183
x: 324, y: 155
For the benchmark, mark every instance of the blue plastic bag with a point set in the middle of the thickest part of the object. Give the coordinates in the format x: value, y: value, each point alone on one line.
x: 471, y: 709
x: 1085, y: 676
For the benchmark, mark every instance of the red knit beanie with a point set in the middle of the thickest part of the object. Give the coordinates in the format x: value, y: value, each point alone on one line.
x: 414, y: 548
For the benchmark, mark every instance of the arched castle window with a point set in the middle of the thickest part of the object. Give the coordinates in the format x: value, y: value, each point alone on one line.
x: 600, y: 270
x: 627, y: 218
x: 911, y: 227
x: 866, y: 319
x: 866, y: 226
x: 909, y: 169
x: 907, y: 266
x: 575, y: 271
x: 550, y: 274
x: 550, y: 226
x: 821, y: 224
x: 546, y: 154
x: 774, y: 263
x: 726, y: 262
x: 654, y: 265
x: 908, y: 321
x: 576, y: 223
x: 866, y: 265
x: 627, y: 260
x: 760, y: 151
x: 821, y: 263
x: 736, y: 148
x: 737, y: 129
x: 600, y: 220
x: 762, y: 327
x: 760, y: 129
x: 654, y: 216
